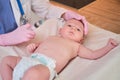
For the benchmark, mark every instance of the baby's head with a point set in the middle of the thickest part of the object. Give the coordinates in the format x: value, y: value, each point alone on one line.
x: 74, y: 29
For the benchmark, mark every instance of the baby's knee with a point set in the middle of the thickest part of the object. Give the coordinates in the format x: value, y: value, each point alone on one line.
x: 37, y: 72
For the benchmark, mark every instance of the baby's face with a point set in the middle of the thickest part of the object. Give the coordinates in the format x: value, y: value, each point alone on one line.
x: 73, y: 29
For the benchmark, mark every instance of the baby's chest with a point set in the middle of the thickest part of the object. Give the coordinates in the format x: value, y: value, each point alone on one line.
x: 67, y: 47
x: 62, y: 44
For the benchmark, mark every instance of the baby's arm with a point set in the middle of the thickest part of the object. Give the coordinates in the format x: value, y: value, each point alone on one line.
x: 95, y: 54
x: 32, y: 47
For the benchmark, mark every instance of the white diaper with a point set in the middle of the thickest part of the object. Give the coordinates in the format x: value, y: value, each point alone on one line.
x: 27, y: 62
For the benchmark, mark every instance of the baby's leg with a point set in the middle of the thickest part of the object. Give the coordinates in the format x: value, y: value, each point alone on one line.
x: 7, y: 65
x: 37, y: 72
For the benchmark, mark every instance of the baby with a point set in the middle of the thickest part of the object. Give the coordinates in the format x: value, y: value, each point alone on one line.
x: 50, y: 56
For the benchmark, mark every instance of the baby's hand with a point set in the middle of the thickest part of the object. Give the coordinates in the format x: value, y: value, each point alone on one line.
x: 31, y: 47
x: 112, y: 43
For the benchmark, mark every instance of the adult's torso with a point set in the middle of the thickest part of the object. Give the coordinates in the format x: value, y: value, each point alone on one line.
x: 7, y: 19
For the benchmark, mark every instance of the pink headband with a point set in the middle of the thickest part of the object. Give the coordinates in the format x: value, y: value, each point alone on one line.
x: 85, y: 24
x: 70, y: 15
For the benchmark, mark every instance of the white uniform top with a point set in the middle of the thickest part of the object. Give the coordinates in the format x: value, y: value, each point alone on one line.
x: 36, y: 9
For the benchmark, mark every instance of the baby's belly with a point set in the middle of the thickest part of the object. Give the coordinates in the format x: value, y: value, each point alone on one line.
x: 61, y: 59
x: 62, y: 56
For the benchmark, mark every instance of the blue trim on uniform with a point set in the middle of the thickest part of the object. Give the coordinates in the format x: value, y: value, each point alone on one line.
x: 20, y: 7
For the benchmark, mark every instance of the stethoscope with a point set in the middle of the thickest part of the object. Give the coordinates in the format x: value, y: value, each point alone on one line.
x: 23, y: 18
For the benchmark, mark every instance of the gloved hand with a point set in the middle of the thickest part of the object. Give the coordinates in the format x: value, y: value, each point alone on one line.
x: 72, y: 15
x: 21, y: 34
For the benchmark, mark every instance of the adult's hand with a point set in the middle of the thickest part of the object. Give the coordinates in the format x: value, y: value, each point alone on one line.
x: 21, y: 34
